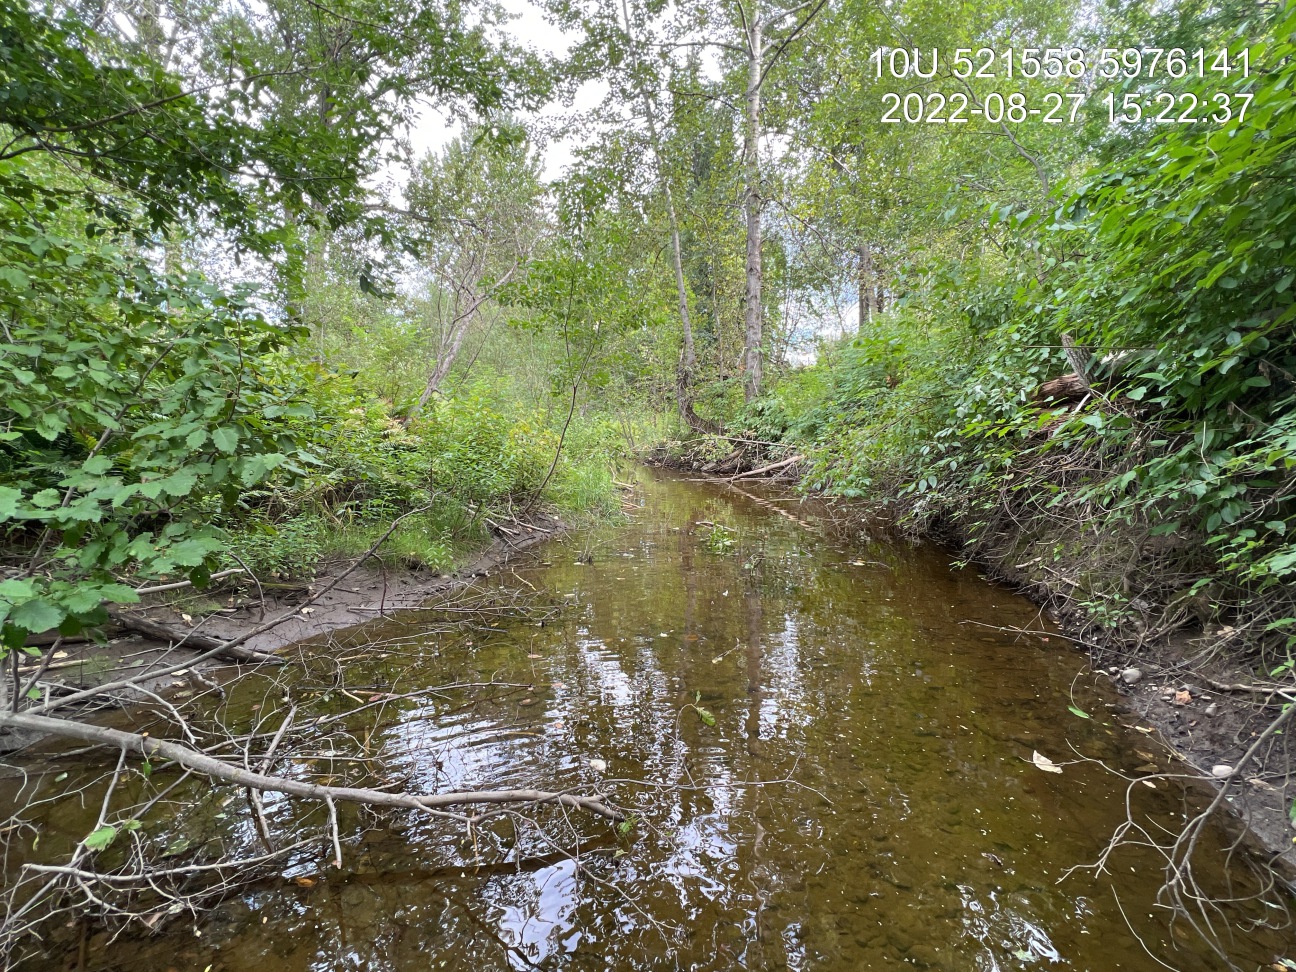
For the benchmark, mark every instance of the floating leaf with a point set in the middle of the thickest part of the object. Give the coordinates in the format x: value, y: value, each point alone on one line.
x: 1044, y: 763
x: 1074, y: 710
x: 710, y: 720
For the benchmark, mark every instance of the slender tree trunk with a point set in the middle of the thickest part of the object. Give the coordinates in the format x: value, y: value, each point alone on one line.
x: 753, y: 364
x: 686, y: 370
x: 446, y: 360
x: 865, y: 286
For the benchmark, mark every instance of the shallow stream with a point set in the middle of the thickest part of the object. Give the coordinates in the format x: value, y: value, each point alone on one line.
x: 864, y: 799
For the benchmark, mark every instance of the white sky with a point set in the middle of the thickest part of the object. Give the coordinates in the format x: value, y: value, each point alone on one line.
x: 530, y: 29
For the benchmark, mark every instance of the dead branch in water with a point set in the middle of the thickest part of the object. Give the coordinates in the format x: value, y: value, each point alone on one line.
x: 218, y: 769
x: 195, y: 742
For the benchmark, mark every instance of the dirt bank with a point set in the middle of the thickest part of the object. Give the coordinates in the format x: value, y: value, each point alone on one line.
x: 372, y: 590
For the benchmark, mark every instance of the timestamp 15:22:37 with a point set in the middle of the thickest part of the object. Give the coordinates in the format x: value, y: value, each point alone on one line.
x: 1072, y: 67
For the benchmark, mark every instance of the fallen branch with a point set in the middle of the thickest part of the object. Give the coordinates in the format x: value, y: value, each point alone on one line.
x: 1278, y: 690
x: 178, y: 585
x: 220, y: 770
x: 191, y: 639
x: 47, y: 638
x: 772, y: 467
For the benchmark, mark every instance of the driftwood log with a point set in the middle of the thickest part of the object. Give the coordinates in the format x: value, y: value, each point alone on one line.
x: 771, y: 467
x: 191, y: 639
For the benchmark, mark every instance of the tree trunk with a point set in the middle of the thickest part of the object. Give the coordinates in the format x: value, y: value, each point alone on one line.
x: 753, y: 364
x: 865, y: 286
x: 1080, y: 360
x: 686, y: 370
x: 445, y: 360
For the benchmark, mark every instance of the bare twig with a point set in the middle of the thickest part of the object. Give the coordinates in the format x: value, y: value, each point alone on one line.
x: 217, y: 769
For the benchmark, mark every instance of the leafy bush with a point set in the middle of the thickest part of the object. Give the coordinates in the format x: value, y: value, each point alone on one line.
x: 1172, y: 487
x: 131, y: 404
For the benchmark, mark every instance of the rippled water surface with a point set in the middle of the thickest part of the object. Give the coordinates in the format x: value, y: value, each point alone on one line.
x: 863, y: 800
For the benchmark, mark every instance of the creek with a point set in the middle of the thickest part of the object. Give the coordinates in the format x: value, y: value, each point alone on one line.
x: 825, y: 743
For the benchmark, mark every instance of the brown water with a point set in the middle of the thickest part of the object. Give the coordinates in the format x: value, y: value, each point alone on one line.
x: 864, y: 799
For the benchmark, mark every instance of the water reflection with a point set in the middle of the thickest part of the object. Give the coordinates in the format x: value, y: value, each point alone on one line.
x: 863, y: 799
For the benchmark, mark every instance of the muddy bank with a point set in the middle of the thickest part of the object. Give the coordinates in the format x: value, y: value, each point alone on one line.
x: 374, y: 590
x: 1204, y: 705
x: 370, y: 592
x: 1186, y: 688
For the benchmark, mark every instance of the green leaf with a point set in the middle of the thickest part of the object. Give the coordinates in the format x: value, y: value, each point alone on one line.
x: 257, y: 467
x: 37, y: 615
x: 706, y: 717
x: 15, y: 278
x: 1078, y: 711
x: 101, y: 838
x: 97, y: 465
x: 9, y: 500
x: 47, y: 499
x: 15, y: 589
x: 118, y: 593
x: 225, y: 439
x: 180, y: 483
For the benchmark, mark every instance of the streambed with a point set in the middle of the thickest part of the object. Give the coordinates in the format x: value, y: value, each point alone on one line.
x: 825, y: 744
